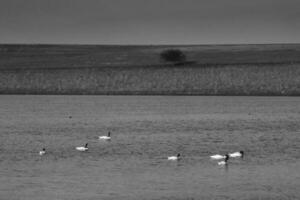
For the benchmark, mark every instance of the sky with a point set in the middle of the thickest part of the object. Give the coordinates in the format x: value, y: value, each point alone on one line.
x: 149, y: 21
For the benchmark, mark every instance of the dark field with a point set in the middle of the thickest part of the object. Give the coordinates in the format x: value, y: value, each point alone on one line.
x: 98, y: 69
x: 57, y: 56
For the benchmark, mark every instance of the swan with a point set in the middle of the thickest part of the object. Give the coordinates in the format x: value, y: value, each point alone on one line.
x: 85, y: 148
x: 105, y: 137
x: 237, y: 154
x: 174, y: 157
x: 224, y: 162
x: 217, y: 157
x: 42, y: 152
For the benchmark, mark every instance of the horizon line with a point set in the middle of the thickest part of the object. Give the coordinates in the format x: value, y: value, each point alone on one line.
x: 112, y: 44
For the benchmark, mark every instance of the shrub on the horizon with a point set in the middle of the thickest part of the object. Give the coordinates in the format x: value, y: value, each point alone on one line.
x: 173, y: 55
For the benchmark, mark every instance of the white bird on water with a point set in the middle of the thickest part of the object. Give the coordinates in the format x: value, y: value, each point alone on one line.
x: 174, y: 158
x: 224, y: 162
x: 85, y: 148
x: 105, y: 137
x: 217, y: 157
x: 237, y: 154
x: 42, y: 152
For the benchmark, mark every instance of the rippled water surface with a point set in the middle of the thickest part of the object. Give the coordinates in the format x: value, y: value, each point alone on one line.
x: 145, y: 131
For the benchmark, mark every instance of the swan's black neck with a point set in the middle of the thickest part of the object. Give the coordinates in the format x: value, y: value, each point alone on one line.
x: 226, y: 157
x: 242, y: 153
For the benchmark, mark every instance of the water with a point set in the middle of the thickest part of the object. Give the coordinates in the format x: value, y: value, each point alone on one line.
x: 145, y: 131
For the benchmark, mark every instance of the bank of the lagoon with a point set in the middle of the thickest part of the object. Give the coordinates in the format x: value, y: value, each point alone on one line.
x: 218, y: 70
x: 278, y: 79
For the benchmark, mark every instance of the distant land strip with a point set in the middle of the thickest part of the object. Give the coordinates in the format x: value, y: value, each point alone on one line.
x: 203, y: 65
x: 256, y: 70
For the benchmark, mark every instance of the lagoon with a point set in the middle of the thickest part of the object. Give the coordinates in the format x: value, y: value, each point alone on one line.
x: 145, y: 131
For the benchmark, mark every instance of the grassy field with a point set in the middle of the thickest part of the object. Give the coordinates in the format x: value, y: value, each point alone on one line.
x: 97, y: 69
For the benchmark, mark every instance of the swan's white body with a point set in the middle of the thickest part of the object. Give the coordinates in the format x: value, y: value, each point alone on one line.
x: 42, y: 152
x: 235, y: 155
x: 81, y: 148
x: 174, y: 158
x: 85, y: 148
x: 222, y: 163
x: 217, y: 157
x: 104, y: 137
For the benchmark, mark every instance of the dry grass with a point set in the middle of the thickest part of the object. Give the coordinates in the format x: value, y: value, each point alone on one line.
x: 188, y: 80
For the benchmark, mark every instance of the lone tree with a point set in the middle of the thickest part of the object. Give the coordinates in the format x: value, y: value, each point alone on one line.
x: 173, y: 55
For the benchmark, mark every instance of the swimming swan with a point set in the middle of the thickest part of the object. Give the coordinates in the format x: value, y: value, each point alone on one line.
x: 237, y: 154
x: 42, y: 152
x: 85, y: 148
x: 174, y: 157
x: 217, y: 157
x: 105, y: 137
x: 224, y: 162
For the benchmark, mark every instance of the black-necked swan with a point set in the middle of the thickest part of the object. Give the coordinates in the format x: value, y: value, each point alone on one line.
x: 85, y: 148
x: 174, y: 157
x: 42, y: 152
x: 217, y: 157
x: 105, y: 137
x: 224, y: 162
x: 237, y: 154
